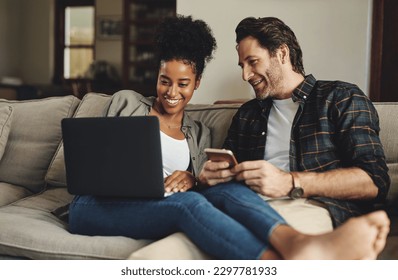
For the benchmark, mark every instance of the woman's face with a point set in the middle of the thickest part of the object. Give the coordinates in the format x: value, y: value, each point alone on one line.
x: 176, y: 84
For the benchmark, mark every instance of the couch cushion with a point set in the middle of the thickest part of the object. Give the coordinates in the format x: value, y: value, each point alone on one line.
x: 92, y: 105
x: 176, y: 246
x: 11, y: 193
x: 216, y: 117
x: 28, y: 229
x: 5, y: 124
x: 388, y: 115
x: 390, y: 251
x: 34, y: 137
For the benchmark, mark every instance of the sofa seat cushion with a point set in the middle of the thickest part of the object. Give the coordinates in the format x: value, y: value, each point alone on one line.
x: 390, y: 252
x: 34, y: 136
x: 28, y: 229
x: 176, y: 246
x: 216, y: 117
x: 11, y: 193
x: 92, y: 105
x: 48, y: 200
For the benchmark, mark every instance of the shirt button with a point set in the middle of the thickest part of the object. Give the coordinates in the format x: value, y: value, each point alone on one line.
x: 305, y: 97
x: 263, y: 133
x: 193, y: 158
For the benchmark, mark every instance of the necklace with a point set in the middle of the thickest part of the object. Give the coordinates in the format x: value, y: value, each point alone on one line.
x: 158, y: 112
x: 171, y: 126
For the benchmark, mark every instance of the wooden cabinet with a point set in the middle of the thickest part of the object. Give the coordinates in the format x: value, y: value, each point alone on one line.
x: 139, y: 63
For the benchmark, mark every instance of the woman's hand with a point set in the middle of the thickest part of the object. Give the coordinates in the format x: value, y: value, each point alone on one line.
x: 179, y: 181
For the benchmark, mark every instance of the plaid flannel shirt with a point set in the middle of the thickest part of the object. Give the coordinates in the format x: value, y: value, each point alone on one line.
x: 336, y: 126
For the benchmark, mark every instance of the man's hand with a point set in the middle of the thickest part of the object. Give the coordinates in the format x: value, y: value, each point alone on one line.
x: 215, y: 172
x: 264, y: 178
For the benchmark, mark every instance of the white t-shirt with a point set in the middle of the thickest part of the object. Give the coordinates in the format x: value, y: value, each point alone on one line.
x: 175, y: 154
x: 279, y: 128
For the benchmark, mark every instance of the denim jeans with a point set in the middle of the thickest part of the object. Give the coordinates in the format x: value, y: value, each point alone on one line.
x: 227, y: 221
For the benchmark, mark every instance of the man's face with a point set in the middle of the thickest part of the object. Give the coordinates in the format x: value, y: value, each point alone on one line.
x: 260, y: 69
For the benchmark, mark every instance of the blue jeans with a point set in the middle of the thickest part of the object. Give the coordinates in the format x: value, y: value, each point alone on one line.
x: 227, y: 221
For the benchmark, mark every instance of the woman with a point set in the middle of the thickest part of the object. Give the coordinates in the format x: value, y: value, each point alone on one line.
x: 227, y: 223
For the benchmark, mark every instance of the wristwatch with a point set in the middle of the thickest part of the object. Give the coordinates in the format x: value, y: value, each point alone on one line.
x: 297, y: 191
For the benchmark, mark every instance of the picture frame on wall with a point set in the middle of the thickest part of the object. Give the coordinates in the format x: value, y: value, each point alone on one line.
x: 109, y: 28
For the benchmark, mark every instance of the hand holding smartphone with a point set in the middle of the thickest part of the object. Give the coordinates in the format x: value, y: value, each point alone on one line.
x: 221, y: 155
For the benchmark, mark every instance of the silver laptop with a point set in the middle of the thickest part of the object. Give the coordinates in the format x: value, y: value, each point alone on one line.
x: 113, y: 156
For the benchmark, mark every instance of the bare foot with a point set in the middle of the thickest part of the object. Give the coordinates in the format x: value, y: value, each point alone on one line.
x: 377, y: 218
x: 271, y: 254
x: 359, y: 238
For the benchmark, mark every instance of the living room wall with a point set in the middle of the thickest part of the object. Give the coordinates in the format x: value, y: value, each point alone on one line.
x: 334, y: 36
x: 8, y: 55
x: 27, y: 39
x: 26, y: 45
x: 109, y: 50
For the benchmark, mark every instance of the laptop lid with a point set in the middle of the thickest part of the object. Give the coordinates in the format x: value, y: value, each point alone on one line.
x: 113, y: 156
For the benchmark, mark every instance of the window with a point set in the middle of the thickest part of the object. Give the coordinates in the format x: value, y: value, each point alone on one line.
x: 74, y: 39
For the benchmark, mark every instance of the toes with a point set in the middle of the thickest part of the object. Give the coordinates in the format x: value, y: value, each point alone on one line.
x: 378, y: 218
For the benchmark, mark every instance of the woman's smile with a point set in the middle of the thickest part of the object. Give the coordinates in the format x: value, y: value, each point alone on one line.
x: 172, y: 101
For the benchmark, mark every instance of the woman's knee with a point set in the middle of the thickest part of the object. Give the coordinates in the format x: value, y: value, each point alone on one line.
x: 187, y: 198
x: 229, y: 188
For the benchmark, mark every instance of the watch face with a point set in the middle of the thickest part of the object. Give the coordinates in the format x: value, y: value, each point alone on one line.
x: 297, y: 193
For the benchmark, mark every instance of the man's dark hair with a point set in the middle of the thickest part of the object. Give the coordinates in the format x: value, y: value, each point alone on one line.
x: 185, y: 39
x: 271, y: 33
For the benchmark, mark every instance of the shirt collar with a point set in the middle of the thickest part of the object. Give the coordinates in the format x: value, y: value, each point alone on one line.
x: 186, y: 121
x: 148, y: 100
x: 302, y: 92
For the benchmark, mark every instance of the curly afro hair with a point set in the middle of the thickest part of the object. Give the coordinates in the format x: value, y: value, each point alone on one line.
x: 183, y: 38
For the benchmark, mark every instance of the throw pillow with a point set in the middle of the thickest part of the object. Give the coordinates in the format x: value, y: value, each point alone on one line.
x: 33, y: 139
x: 92, y: 105
x: 5, y: 124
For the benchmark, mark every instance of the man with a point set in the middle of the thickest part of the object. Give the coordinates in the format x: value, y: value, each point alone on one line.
x: 315, y: 142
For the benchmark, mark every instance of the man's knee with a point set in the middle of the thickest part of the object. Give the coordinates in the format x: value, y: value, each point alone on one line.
x: 304, y: 215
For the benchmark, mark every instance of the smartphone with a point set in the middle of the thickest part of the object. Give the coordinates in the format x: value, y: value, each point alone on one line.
x: 221, y: 155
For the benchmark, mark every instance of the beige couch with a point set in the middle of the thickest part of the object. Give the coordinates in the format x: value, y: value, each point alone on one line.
x: 33, y: 185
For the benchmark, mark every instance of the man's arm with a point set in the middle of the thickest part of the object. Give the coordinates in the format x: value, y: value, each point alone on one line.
x: 342, y: 183
x: 268, y: 180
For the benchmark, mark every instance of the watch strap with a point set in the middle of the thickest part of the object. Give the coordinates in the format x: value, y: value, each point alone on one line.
x: 296, y: 180
x: 297, y: 191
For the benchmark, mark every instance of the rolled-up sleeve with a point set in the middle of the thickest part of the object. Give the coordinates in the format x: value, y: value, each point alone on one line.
x: 359, y: 141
